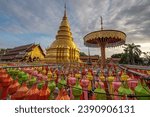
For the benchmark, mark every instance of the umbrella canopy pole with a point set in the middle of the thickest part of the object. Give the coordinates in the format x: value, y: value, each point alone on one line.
x: 102, y: 45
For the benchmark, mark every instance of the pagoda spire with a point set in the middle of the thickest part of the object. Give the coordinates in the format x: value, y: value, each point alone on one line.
x: 65, y: 11
x: 64, y: 31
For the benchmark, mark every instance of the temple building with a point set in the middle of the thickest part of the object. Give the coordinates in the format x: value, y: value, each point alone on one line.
x: 63, y: 49
x: 29, y: 53
x: 92, y: 59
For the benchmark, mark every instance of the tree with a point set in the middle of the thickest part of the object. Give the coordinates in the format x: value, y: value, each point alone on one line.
x: 124, y: 58
x: 116, y: 55
x: 147, y: 58
x: 2, y: 50
x: 131, y: 54
x: 82, y: 54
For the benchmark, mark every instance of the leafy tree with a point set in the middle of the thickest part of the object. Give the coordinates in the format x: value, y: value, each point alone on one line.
x: 147, y: 57
x: 82, y: 54
x: 124, y: 58
x: 131, y: 54
x: 117, y: 55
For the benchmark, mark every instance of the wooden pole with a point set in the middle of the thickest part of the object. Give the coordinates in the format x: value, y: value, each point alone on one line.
x: 103, y: 61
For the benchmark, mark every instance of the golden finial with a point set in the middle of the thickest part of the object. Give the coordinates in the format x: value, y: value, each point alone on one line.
x: 101, y: 23
x: 65, y: 10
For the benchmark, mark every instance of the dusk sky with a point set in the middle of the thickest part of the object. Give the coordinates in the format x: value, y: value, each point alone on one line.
x: 37, y: 21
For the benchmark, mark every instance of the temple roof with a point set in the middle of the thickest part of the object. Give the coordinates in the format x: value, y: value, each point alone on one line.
x: 19, y: 52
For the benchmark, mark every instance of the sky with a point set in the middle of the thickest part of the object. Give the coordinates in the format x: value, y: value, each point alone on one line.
x: 37, y: 21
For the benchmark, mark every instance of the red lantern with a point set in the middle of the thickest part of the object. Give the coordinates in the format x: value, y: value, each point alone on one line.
x: 62, y: 95
x: 83, y: 72
x: 13, y: 87
x: 33, y: 93
x: 46, y: 68
x: 44, y: 93
x: 2, y: 71
x: 1, y: 88
x: 4, y: 93
x: 21, y: 93
x: 2, y: 74
x: 120, y: 73
x: 7, y: 80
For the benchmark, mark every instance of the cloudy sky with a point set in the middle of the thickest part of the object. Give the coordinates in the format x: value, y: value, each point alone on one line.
x: 28, y: 21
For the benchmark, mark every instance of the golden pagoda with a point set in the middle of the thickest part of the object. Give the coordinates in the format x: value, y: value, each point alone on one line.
x: 63, y: 49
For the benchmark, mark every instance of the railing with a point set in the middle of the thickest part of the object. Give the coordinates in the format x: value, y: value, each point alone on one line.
x: 127, y: 69
x: 136, y: 66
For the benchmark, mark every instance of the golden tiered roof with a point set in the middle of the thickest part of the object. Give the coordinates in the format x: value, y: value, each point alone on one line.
x: 63, y: 49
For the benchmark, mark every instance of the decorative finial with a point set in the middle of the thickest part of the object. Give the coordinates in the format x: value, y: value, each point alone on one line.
x: 101, y: 23
x: 65, y: 10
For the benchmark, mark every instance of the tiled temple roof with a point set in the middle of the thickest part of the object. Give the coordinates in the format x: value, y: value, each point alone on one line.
x: 19, y: 52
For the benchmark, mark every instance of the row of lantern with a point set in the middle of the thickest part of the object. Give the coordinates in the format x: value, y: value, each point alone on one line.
x: 22, y: 92
x: 77, y: 92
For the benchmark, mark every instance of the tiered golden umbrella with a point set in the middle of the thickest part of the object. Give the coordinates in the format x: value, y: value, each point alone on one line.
x: 104, y: 38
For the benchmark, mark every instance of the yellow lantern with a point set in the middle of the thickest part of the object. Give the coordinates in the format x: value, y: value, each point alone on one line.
x: 148, y: 72
x: 44, y: 72
x: 102, y: 78
x: 55, y: 76
x: 124, y: 77
x: 89, y: 76
x: 78, y: 75
x: 111, y: 78
x: 49, y: 75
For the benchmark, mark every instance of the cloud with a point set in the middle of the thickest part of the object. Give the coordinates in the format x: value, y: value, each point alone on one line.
x: 37, y: 21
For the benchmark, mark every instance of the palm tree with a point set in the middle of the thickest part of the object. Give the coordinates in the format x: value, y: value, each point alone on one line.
x: 132, y: 54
